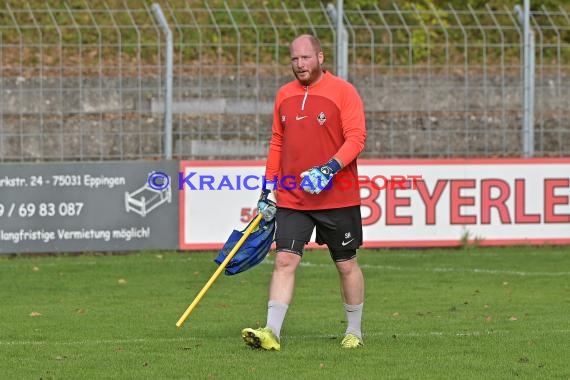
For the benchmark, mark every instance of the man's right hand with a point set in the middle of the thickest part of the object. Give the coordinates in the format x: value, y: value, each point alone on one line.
x: 266, y: 204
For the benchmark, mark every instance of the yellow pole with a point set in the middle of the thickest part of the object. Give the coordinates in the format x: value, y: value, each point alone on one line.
x: 218, y: 271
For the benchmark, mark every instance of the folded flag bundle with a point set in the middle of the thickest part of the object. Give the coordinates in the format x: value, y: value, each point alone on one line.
x: 252, y: 251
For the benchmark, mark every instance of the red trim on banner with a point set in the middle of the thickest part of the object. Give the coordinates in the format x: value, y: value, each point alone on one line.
x: 411, y: 244
x: 456, y: 243
x: 181, y: 194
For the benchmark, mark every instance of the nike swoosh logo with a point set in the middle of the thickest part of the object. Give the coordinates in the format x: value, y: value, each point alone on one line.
x: 346, y: 242
x: 300, y: 117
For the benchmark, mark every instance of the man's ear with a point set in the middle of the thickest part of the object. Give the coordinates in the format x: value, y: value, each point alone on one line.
x: 321, y: 57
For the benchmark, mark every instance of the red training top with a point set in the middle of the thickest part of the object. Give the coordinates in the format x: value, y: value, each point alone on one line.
x: 312, y: 124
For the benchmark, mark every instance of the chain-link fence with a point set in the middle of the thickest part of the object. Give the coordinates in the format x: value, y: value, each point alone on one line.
x: 88, y: 82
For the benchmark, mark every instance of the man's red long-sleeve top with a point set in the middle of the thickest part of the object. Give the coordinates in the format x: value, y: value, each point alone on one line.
x: 312, y: 124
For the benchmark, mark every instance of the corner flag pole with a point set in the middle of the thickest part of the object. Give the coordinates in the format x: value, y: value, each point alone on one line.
x: 218, y: 271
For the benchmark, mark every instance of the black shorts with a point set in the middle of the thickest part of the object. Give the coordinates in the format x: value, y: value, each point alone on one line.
x: 340, y: 229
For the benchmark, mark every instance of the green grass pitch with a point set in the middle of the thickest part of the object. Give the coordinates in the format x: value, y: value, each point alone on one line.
x: 469, y: 313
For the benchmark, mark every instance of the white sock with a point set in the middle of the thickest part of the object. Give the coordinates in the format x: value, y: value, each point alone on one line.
x: 276, y: 315
x: 354, y: 319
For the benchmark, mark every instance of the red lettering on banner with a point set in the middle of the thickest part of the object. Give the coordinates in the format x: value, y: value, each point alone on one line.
x: 430, y: 200
x: 371, y: 203
x: 551, y: 200
x: 471, y: 201
x: 374, y: 185
x: 398, y: 181
x: 414, y: 179
x: 457, y: 201
x: 395, y: 181
x: 343, y: 181
x: 487, y: 202
x: 521, y: 216
x: 363, y: 180
x: 392, y: 203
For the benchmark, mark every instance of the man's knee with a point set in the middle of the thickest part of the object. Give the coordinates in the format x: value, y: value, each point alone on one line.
x: 348, y: 268
x: 286, y: 261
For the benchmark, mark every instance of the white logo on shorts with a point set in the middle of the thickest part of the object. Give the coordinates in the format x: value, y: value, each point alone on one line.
x: 347, y: 235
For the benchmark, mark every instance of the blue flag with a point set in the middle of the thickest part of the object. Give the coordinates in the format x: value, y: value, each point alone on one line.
x: 252, y: 251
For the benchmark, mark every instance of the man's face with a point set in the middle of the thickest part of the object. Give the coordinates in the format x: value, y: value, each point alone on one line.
x: 306, y: 62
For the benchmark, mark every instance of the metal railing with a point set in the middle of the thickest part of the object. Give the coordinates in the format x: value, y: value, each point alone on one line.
x: 91, y: 82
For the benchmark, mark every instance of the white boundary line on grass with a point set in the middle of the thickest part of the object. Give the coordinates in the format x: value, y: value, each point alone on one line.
x: 307, y: 263
x: 442, y: 270
x: 464, y: 334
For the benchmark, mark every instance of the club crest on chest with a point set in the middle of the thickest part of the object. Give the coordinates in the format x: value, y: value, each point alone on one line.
x: 321, y: 118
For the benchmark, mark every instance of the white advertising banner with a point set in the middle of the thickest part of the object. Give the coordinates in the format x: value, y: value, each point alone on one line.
x: 405, y: 203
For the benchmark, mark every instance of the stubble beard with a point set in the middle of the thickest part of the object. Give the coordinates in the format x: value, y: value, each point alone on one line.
x: 308, y: 77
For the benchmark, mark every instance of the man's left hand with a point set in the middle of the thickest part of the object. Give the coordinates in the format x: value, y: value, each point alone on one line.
x: 316, y: 179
